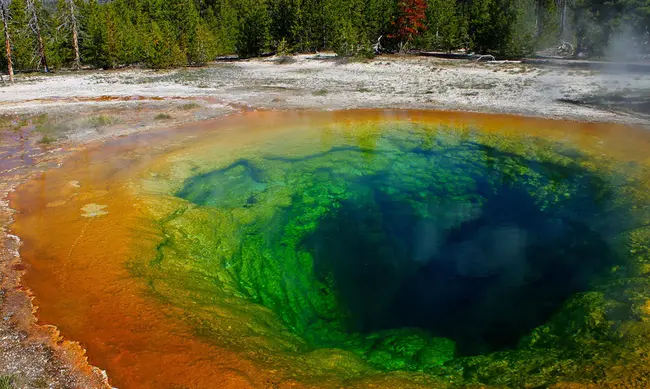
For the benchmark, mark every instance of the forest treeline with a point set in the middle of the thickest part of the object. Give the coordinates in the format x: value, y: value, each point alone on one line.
x: 50, y: 34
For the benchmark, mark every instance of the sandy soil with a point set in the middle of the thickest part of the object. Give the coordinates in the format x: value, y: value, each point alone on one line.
x: 44, y: 118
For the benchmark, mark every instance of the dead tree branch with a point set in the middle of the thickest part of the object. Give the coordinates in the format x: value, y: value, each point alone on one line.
x: 36, y: 29
x: 75, y: 34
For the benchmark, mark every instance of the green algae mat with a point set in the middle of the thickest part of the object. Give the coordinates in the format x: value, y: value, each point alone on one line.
x: 413, y: 249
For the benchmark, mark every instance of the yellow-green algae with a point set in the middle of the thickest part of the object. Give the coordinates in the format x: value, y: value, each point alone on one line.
x: 234, y: 249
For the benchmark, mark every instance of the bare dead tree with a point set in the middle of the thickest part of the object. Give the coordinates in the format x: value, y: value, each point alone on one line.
x: 35, y: 26
x: 75, y: 34
x: 4, y: 14
x: 69, y: 22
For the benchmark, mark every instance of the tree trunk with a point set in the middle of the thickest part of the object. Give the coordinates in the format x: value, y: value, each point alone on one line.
x: 538, y: 18
x: 75, y: 36
x: 563, y: 21
x: 5, y: 17
x: 39, y: 38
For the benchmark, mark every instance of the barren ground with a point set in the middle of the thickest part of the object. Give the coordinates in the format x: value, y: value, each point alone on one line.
x: 321, y: 81
x: 44, y: 118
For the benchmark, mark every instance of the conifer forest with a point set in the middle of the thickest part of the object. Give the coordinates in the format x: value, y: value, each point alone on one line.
x: 53, y: 34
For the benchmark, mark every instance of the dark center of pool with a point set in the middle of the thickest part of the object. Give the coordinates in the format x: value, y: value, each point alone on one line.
x: 483, y: 272
x: 412, y: 235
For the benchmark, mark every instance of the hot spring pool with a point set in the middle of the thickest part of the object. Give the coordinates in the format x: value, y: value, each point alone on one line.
x: 350, y: 249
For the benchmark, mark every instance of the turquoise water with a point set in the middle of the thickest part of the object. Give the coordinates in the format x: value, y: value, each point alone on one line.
x: 417, y: 248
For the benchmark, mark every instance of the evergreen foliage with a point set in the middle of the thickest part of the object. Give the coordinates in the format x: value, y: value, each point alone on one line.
x: 170, y: 33
x: 253, y: 28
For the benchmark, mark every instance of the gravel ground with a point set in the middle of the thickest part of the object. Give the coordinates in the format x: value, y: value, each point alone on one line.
x: 321, y: 81
x: 47, y: 117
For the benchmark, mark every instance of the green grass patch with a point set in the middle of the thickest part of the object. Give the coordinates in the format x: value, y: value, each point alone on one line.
x: 6, y: 123
x: 162, y: 116
x: 40, y: 119
x: 22, y: 122
x: 102, y: 121
x: 189, y: 106
x: 52, y: 129
x: 46, y: 140
x: 7, y: 381
x: 14, y: 123
x: 320, y: 92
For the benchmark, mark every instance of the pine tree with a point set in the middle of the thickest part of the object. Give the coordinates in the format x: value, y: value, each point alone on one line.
x: 490, y: 25
x: 161, y: 48
x: 94, y: 26
x: 309, y: 27
x: 67, y: 19
x: 181, y: 21
x: 612, y: 28
x: 379, y: 16
x: 346, y: 27
x: 523, y: 32
x: 443, y: 26
x: 110, y: 49
x: 283, y: 16
x: 203, y: 47
x: 253, y: 33
x: 3, y: 54
x: 225, y: 27
x: 165, y: 33
x: 23, y: 44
